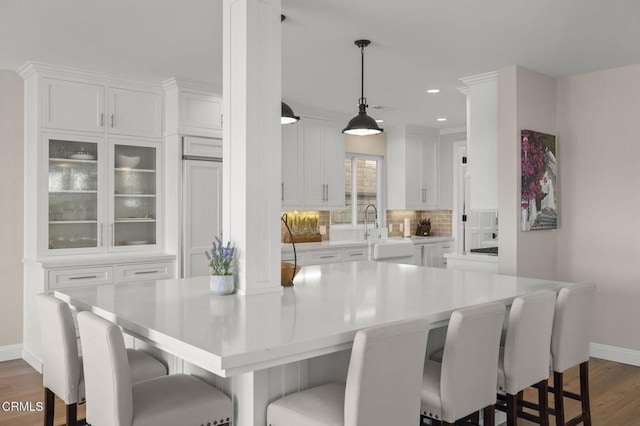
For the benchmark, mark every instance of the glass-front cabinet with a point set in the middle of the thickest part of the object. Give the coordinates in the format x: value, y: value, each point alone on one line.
x: 102, y: 195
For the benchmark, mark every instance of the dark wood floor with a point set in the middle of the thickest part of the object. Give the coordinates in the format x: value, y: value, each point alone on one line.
x: 615, y: 394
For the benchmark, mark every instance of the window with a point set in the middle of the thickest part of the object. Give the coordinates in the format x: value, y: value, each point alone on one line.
x: 364, y: 173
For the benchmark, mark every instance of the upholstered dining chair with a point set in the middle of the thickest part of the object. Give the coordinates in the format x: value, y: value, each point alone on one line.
x: 524, y: 358
x: 382, y: 387
x: 113, y: 399
x: 62, y: 372
x: 466, y: 379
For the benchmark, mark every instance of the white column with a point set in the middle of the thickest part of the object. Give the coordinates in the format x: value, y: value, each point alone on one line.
x: 251, y: 141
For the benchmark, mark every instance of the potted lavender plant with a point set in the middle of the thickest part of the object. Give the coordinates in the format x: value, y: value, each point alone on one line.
x: 221, y: 266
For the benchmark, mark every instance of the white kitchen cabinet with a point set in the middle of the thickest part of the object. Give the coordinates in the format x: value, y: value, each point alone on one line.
x: 323, y: 164
x: 291, y: 189
x: 444, y: 248
x: 193, y: 108
x: 430, y: 255
x: 412, y: 159
x: 134, y: 113
x: 82, y: 106
x: 324, y: 256
x: 71, y: 105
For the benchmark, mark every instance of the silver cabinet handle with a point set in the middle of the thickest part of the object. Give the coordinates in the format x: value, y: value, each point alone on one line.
x: 145, y: 272
x: 323, y: 186
x: 327, y: 196
x: 329, y: 256
x: 88, y: 277
x: 111, y: 120
x: 102, y: 119
x: 356, y: 254
x: 281, y: 191
x: 113, y: 235
x: 101, y: 234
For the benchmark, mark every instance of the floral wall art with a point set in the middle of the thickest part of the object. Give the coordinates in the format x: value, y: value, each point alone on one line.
x: 539, y: 201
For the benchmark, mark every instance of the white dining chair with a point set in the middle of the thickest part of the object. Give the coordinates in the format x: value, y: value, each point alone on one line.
x: 382, y: 387
x: 114, y: 400
x: 465, y: 382
x: 62, y: 372
x: 524, y: 358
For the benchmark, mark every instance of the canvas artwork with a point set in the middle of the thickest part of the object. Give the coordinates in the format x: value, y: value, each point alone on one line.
x: 539, y: 199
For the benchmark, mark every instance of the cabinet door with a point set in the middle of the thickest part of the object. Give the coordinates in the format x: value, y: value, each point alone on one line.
x: 134, y: 205
x: 202, y: 213
x: 415, y: 190
x: 418, y: 251
x: 334, y: 174
x: 429, y: 172
x: 313, y: 152
x: 198, y: 111
x: 74, y: 213
x: 135, y: 113
x: 430, y: 255
x: 291, y: 172
x: 70, y: 105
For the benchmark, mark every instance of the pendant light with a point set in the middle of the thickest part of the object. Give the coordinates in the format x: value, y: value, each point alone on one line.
x: 362, y: 124
x: 286, y: 115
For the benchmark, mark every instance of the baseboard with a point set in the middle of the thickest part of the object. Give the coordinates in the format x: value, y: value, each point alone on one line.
x: 32, y: 360
x: 9, y: 352
x: 613, y: 353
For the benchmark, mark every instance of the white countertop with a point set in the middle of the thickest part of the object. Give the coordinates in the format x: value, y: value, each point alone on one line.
x: 472, y: 257
x: 333, y: 244
x: 320, y: 314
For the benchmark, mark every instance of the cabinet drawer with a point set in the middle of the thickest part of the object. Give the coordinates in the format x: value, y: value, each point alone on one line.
x: 324, y: 257
x: 144, y: 272
x: 77, y: 277
x: 356, y: 254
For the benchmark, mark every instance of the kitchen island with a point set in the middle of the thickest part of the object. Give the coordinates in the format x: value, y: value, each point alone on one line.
x: 264, y: 346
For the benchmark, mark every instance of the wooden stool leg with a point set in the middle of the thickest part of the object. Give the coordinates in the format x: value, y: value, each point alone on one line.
x: 543, y: 402
x: 475, y: 417
x: 558, y: 397
x: 512, y: 410
x: 584, y: 393
x: 72, y: 415
x: 49, y: 406
x: 489, y: 414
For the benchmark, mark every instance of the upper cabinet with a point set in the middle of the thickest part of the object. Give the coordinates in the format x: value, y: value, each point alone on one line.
x: 193, y: 108
x: 313, y: 173
x: 412, y: 159
x: 482, y: 140
x: 81, y: 106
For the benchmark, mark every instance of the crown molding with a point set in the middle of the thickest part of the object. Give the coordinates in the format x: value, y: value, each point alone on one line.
x: 464, y: 90
x: 480, y: 78
x: 48, y: 70
x: 188, y: 84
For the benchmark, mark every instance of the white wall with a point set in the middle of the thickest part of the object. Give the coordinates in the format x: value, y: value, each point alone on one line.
x: 526, y: 100
x: 11, y: 191
x: 599, y: 234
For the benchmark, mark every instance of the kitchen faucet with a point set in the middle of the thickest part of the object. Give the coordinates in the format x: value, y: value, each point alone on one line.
x: 366, y: 210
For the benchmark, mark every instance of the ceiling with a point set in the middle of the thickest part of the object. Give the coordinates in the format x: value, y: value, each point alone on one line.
x: 416, y: 45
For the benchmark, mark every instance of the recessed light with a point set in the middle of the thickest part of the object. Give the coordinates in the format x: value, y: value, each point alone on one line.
x: 433, y: 91
x: 379, y: 121
x: 441, y: 119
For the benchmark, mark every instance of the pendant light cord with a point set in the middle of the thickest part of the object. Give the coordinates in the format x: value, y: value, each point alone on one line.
x: 362, y: 100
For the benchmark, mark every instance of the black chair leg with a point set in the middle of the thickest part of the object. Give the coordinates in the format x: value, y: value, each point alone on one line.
x: 489, y: 414
x: 558, y: 397
x: 72, y: 415
x: 49, y: 406
x: 584, y: 393
x: 512, y: 410
x: 543, y: 402
x: 475, y: 418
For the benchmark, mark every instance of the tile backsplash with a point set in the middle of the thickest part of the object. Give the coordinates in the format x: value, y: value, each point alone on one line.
x: 441, y: 221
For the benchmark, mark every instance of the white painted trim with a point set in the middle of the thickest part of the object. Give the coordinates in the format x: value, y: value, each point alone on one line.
x: 32, y: 359
x: 9, y: 352
x: 453, y: 130
x: 480, y: 78
x: 189, y: 84
x: 613, y: 353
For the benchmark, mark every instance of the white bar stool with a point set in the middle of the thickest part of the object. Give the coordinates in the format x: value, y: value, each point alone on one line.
x: 114, y: 400
x: 466, y: 380
x: 383, y: 383
x: 524, y: 358
x: 62, y: 373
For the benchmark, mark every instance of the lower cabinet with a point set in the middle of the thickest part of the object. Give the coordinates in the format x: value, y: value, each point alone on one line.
x: 46, y: 276
x: 432, y: 254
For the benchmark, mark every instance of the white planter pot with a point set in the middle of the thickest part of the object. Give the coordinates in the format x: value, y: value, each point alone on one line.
x: 221, y: 284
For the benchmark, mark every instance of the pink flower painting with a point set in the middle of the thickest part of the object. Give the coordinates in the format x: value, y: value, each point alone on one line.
x: 539, y: 190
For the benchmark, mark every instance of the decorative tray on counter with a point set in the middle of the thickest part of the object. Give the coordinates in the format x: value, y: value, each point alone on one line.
x: 312, y: 238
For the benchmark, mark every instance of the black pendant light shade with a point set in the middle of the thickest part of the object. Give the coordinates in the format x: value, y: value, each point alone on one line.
x: 362, y: 124
x: 287, y: 116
